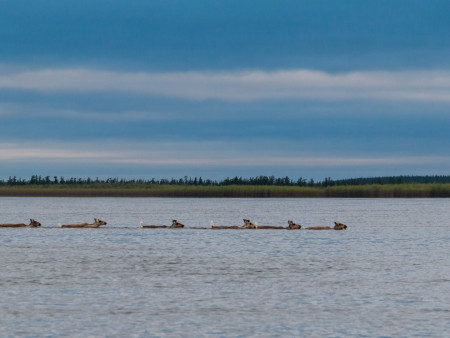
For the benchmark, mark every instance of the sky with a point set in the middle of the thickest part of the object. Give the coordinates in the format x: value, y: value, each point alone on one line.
x: 174, y: 88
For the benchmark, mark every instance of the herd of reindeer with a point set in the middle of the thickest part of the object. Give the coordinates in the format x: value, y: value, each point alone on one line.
x: 175, y: 224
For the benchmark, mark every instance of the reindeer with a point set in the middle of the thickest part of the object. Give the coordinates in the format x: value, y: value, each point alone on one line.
x: 291, y: 226
x: 249, y: 225
x: 337, y: 226
x: 33, y: 224
x: 224, y: 226
x: 270, y: 227
x: 176, y: 224
x: 97, y: 223
x: 152, y: 226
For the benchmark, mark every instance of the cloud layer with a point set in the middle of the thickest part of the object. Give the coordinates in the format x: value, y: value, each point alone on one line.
x: 193, y: 154
x: 428, y: 86
x: 224, y: 88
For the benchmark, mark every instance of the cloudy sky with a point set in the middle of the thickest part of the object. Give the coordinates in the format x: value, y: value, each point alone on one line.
x: 168, y: 88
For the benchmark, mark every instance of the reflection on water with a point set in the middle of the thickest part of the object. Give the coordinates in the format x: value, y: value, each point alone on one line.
x: 387, y: 275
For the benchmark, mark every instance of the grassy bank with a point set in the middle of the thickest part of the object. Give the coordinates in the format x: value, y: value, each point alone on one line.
x: 157, y: 190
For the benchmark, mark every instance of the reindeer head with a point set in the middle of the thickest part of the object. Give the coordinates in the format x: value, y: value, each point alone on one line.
x: 34, y: 223
x: 293, y: 225
x: 99, y: 222
x: 339, y: 226
x: 249, y: 225
x: 176, y: 224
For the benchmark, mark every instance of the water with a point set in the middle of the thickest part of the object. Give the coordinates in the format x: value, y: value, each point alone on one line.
x: 387, y: 275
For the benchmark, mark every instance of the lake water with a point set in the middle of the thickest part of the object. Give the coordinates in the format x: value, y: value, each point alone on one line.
x: 388, y: 274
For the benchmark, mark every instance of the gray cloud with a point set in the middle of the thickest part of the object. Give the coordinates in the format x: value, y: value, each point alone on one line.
x: 186, y: 154
x: 428, y: 86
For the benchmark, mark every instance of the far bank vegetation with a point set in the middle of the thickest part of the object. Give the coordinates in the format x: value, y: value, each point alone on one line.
x: 261, y: 186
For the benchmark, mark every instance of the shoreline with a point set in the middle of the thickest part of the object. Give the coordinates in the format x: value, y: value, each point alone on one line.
x: 232, y: 191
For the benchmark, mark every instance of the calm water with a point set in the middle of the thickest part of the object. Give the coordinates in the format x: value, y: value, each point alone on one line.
x: 387, y: 275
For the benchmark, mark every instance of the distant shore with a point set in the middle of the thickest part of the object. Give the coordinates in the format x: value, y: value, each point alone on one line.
x: 230, y: 191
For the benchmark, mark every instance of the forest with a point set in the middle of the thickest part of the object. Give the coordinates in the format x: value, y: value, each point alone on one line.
x: 253, y: 181
x: 256, y: 187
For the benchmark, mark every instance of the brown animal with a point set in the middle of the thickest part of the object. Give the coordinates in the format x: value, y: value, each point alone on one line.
x: 176, y: 224
x: 319, y: 228
x: 224, y: 226
x: 152, y: 226
x: 249, y: 225
x: 270, y: 227
x: 97, y: 223
x: 293, y: 226
x: 33, y: 224
x: 337, y: 226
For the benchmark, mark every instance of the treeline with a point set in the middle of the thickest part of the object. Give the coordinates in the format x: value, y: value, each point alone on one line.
x: 37, y: 180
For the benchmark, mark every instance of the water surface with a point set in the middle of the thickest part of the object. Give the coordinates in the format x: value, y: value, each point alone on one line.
x: 387, y: 275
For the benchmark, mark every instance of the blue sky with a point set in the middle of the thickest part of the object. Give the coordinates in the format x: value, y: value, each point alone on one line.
x: 224, y: 88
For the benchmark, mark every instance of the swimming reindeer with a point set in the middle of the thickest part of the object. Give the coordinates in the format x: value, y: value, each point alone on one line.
x: 141, y: 224
x: 33, y: 224
x: 224, y: 226
x: 247, y: 225
x: 176, y: 224
x: 337, y: 226
x: 97, y: 223
x: 291, y: 226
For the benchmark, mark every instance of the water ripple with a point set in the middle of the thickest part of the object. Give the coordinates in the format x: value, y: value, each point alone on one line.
x: 385, y: 278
